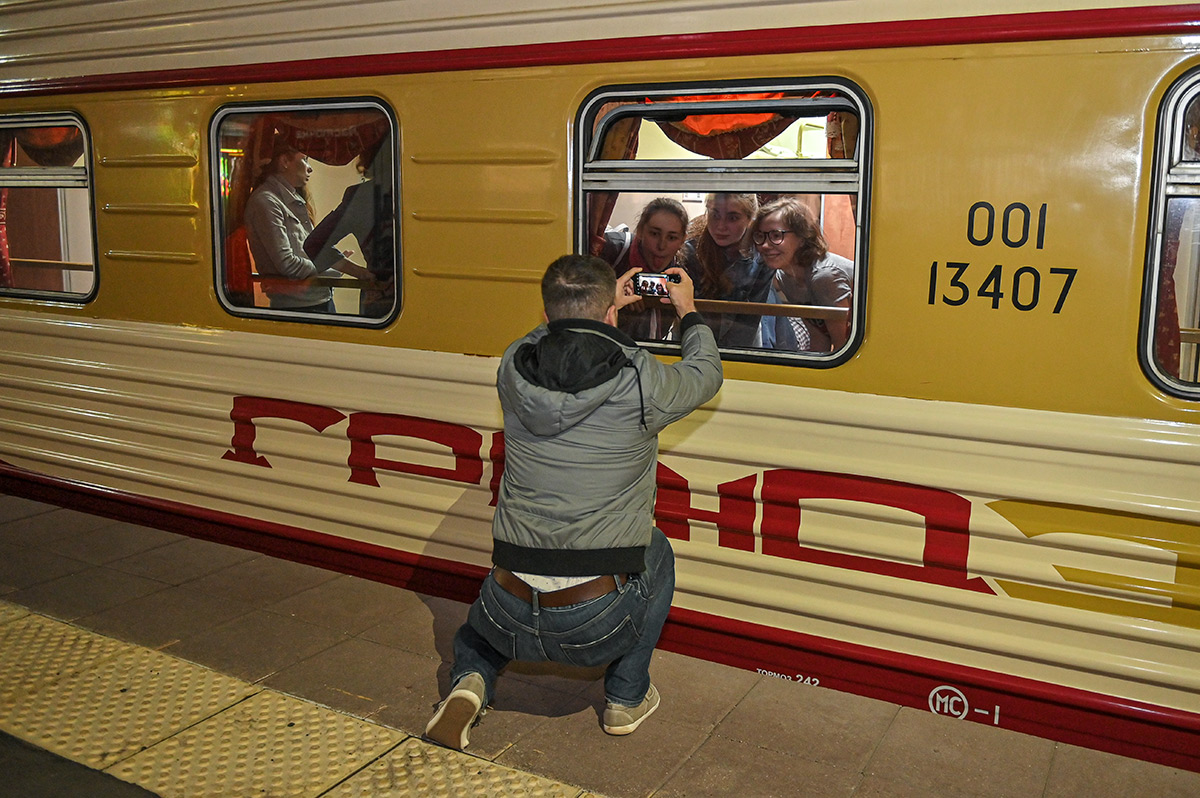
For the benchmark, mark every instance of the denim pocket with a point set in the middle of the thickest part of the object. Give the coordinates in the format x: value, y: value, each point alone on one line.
x: 605, y: 649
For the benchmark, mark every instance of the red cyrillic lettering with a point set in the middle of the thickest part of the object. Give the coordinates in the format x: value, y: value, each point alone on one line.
x: 496, y: 455
x: 365, y: 427
x: 734, y: 517
x: 247, y: 408
x: 947, y: 524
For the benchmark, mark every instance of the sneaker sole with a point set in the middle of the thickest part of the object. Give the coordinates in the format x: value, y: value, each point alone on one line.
x: 630, y: 728
x: 452, y: 723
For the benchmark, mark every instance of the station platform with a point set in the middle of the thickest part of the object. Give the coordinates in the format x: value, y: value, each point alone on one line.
x: 137, y: 662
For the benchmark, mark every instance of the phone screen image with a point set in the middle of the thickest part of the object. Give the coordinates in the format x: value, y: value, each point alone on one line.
x: 647, y: 284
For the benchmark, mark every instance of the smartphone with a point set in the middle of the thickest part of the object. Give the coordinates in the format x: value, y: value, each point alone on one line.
x: 652, y: 283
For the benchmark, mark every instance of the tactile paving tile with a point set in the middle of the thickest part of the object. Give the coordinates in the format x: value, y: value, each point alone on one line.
x: 121, y: 706
x: 417, y: 769
x: 268, y: 745
x: 11, y: 612
x: 36, y: 651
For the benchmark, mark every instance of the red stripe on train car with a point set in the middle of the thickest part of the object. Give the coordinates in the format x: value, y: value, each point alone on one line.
x: 1079, y: 717
x: 1035, y: 26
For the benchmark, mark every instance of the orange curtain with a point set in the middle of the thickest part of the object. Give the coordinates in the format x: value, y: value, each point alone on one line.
x: 726, y: 136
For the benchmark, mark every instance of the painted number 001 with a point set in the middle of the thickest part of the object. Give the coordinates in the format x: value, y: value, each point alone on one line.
x: 1014, y: 225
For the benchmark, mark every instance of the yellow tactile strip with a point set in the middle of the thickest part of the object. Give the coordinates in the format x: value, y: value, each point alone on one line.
x: 179, y: 729
x: 122, y: 705
x: 11, y: 612
x: 270, y: 744
x: 417, y: 769
x: 36, y: 652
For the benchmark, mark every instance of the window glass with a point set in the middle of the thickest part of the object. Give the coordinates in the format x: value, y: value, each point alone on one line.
x: 1171, y: 325
x: 759, y: 195
x: 307, y: 198
x: 46, y: 238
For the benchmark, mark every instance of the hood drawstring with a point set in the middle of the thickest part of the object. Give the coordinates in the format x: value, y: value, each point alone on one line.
x: 641, y: 399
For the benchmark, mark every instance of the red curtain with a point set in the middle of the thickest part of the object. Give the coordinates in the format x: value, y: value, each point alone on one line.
x: 335, y: 138
x: 7, y: 156
x: 52, y: 146
x: 841, y: 137
x: 620, y: 144
x: 1166, y: 314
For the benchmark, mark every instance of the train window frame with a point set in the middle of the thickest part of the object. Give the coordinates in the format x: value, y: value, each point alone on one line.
x: 70, y: 216
x: 231, y: 302
x: 823, y: 176
x: 1175, y: 181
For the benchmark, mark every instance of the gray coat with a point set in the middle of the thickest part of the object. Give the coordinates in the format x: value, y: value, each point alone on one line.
x: 583, y: 406
x: 276, y: 225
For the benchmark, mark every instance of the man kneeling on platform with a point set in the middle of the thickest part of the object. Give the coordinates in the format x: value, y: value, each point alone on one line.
x: 581, y: 575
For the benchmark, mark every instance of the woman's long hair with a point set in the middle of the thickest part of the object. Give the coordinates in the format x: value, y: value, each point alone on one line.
x: 798, y: 218
x: 714, y: 282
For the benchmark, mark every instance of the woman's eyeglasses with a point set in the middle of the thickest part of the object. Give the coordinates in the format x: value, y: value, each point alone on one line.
x: 774, y: 236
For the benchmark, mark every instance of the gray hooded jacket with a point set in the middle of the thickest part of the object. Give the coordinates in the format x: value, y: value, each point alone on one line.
x: 583, y: 406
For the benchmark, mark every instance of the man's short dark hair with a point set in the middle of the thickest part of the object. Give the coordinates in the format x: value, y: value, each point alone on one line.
x: 578, y: 287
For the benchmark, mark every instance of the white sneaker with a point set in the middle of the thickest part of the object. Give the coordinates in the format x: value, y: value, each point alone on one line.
x: 452, y: 722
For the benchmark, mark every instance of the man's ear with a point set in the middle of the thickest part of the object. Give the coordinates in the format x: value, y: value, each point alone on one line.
x: 610, y: 316
x: 545, y: 318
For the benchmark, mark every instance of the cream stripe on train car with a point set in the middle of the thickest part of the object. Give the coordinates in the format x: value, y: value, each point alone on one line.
x: 192, y: 34
x: 858, y: 563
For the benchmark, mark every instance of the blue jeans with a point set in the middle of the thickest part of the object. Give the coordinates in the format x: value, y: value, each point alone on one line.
x: 619, y: 629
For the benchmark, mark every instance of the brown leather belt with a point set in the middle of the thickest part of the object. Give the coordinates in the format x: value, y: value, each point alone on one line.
x: 594, y: 588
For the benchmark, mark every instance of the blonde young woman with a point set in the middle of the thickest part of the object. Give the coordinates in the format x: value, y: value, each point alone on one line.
x: 720, y: 258
x: 792, y: 246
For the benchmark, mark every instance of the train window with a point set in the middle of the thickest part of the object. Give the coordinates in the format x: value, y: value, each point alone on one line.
x: 1171, y: 323
x: 46, y: 241
x: 306, y: 195
x: 758, y: 191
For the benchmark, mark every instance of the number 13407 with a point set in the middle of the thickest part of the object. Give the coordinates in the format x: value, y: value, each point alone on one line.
x: 957, y: 282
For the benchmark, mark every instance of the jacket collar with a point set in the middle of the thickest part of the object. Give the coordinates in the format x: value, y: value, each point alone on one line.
x: 607, y: 330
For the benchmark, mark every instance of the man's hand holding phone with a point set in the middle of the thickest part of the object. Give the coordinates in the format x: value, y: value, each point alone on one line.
x: 672, y: 286
x: 627, y: 294
x: 681, y: 292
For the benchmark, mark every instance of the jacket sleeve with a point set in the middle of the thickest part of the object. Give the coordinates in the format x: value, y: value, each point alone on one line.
x: 355, y: 216
x: 682, y: 387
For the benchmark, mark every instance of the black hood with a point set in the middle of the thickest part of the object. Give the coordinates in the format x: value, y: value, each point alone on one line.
x: 577, y: 354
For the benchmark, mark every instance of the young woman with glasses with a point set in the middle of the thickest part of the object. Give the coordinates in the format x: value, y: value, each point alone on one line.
x: 790, y: 243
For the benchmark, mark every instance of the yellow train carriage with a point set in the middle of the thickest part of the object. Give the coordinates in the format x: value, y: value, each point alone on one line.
x: 985, y: 502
